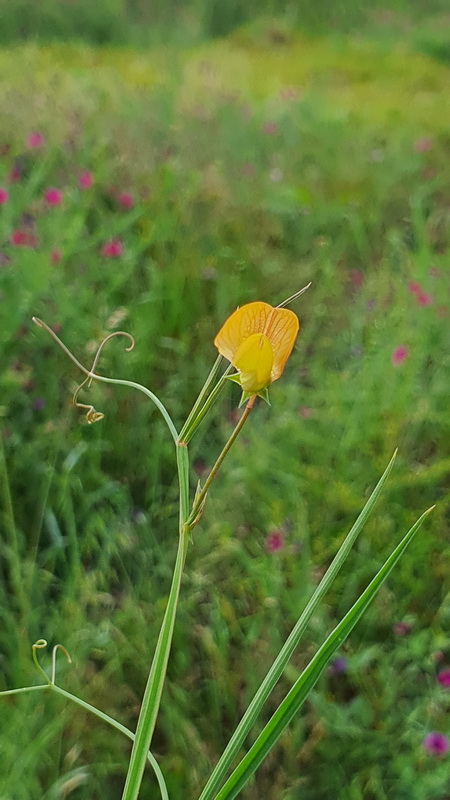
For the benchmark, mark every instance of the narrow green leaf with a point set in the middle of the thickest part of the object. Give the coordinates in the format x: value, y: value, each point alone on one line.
x: 272, y: 677
x: 309, y: 677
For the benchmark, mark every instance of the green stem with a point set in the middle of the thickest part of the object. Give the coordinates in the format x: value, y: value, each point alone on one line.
x: 202, y: 397
x: 88, y: 707
x: 201, y: 497
x: 155, y: 682
x: 156, y: 678
x: 202, y: 406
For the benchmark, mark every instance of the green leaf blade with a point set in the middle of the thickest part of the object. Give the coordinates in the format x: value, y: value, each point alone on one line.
x: 309, y: 677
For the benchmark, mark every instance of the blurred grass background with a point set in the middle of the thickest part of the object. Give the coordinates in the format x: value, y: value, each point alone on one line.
x: 203, y: 156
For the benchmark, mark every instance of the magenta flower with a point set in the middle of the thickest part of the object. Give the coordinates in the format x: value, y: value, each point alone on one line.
x: 399, y: 354
x: 414, y: 287
x: 53, y: 197
x: 274, y: 541
x: 34, y: 140
x: 443, y: 677
x: 424, y: 299
x: 85, y: 180
x: 20, y: 238
x: 126, y: 200
x: 112, y: 248
x: 436, y: 744
x: 3, y: 196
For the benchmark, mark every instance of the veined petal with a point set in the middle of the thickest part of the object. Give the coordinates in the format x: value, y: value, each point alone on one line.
x: 254, y: 360
x: 244, y: 322
x: 282, y: 330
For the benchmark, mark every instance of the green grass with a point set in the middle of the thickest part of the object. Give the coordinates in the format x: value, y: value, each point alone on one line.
x: 253, y: 169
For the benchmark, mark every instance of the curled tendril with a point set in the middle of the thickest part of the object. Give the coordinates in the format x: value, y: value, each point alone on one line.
x: 54, y: 652
x: 91, y: 414
x: 41, y: 644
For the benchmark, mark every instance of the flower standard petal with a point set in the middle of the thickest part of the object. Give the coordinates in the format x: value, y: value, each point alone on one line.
x: 246, y: 320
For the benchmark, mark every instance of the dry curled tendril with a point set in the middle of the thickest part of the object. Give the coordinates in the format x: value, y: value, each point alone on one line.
x: 91, y: 414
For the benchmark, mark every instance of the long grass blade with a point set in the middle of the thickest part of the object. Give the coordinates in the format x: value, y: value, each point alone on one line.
x: 309, y: 677
x: 248, y: 720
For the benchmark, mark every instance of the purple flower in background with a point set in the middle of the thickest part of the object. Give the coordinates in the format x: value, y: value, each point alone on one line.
x: 85, y: 180
x: 436, y: 744
x: 38, y: 404
x: 35, y: 139
x: 443, y: 677
x: 274, y: 541
x: 399, y: 354
x: 53, y: 197
x: 3, y: 196
x: 338, y: 666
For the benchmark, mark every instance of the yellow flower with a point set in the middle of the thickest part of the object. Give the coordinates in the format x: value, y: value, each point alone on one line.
x: 258, y: 340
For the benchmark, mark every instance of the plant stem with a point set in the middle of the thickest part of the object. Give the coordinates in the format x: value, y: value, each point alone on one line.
x: 153, y: 690
x: 200, y: 499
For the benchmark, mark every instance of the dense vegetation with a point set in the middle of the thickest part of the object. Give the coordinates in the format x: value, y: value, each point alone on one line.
x: 154, y: 192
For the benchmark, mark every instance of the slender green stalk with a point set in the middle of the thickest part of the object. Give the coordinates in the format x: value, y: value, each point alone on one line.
x: 309, y: 677
x: 153, y: 690
x: 119, y: 727
x: 272, y: 677
x: 201, y: 497
x: 194, y: 420
x: 202, y: 397
x: 93, y: 710
x: 156, y: 678
x: 153, y: 397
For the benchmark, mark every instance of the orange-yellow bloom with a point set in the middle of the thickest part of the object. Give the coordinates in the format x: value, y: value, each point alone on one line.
x: 258, y: 340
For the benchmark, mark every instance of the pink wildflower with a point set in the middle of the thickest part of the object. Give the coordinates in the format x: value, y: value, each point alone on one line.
x: 112, y: 248
x: 436, y: 744
x: 443, y: 677
x: 20, y: 238
x: 3, y: 196
x: 424, y: 299
x: 85, y: 180
x: 274, y: 541
x: 399, y: 354
x: 34, y: 140
x: 126, y: 200
x: 53, y: 197
x: 414, y: 287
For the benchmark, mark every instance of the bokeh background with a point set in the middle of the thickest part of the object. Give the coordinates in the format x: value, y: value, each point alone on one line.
x: 161, y: 163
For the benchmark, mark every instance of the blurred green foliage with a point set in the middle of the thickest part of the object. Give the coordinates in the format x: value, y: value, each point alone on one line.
x: 250, y: 167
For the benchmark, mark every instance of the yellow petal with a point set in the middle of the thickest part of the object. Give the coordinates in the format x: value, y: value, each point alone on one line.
x: 244, y: 322
x: 254, y: 360
x: 282, y: 330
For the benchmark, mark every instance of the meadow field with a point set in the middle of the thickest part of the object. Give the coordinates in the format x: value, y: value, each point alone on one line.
x: 153, y: 189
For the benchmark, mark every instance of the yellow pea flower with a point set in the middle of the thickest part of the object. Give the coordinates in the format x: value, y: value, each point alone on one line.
x: 258, y: 339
